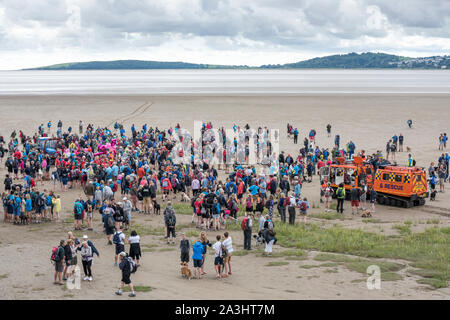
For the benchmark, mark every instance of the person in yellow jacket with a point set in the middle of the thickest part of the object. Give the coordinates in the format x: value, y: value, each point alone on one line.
x: 56, y: 207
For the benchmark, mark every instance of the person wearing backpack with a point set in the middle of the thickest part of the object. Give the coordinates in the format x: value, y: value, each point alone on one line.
x: 304, y: 206
x: 118, y: 240
x: 281, y: 206
x: 127, y: 266
x: 340, y: 195
x: 108, y: 223
x: 355, y: 194
x: 78, y: 209
x: 170, y: 221
x: 246, y: 226
x: 327, y: 196
x: 166, y: 186
x: 269, y: 205
x: 218, y: 256
x: 292, y: 204
x: 58, y: 258
x: 249, y: 204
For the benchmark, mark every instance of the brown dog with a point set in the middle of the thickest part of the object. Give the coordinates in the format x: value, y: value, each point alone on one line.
x: 366, y: 214
x: 185, y: 271
x: 408, y: 149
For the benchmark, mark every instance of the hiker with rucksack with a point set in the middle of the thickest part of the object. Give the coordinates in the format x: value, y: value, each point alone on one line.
x: 118, y: 241
x: 281, y: 206
x: 57, y: 257
x: 303, y: 208
x: 78, y: 209
x: 108, y: 223
x: 246, y: 227
x: 218, y: 256
x: 340, y: 195
x: 292, y: 204
x: 127, y: 266
x: 166, y: 186
x: 355, y: 195
x: 269, y: 239
x: 327, y: 194
x: 170, y: 221
x: 270, y: 205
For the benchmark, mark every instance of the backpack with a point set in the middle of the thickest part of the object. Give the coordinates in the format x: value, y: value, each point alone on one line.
x: 55, y: 255
x: 116, y: 238
x: 110, y: 221
x: 244, y: 223
x: 115, y: 187
x: 40, y: 201
x: 165, y: 184
x: 303, y: 206
x: 224, y: 251
x: 249, y: 203
x: 268, y: 204
x: 171, y: 219
x: 340, y: 193
x: 132, y: 264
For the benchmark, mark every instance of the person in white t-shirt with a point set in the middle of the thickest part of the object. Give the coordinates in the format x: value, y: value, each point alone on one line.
x: 218, y: 260
x: 228, y: 244
x: 118, y: 240
x: 135, y: 247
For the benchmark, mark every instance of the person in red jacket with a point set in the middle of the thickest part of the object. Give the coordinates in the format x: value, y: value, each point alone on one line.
x: 166, y: 187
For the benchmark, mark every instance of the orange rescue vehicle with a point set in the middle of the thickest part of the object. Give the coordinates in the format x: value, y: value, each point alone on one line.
x: 395, y: 185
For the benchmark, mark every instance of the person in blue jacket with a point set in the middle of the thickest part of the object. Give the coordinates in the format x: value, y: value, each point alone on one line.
x: 197, y: 255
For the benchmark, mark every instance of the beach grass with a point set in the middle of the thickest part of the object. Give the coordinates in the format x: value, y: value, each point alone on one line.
x: 138, y: 288
x: 276, y: 263
x: 240, y: 253
x: 327, y: 216
x: 427, y: 250
x: 371, y: 220
x: 402, y: 229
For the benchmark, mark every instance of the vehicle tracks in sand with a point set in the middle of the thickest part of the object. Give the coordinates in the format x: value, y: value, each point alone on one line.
x: 137, y: 112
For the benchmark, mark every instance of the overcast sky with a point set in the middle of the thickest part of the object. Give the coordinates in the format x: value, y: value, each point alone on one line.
x: 252, y: 32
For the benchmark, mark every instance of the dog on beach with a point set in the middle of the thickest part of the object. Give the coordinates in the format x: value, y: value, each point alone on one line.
x: 185, y: 271
x: 23, y: 219
x: 408, y: 149
x: 156, y: 207
x: 433, y: 195
x: 185, y: 198
x: 259, y: 239
x: 366, y: 214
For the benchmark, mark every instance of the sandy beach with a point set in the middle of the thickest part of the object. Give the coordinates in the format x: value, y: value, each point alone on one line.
x: 368, y: 120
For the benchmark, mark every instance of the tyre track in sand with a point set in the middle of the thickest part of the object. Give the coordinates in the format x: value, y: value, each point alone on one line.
x: 137, y: 112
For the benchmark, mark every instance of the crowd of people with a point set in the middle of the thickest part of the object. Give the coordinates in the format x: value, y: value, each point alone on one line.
x: 138, y: 166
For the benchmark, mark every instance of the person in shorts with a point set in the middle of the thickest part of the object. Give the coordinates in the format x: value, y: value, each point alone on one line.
x: 303, y: 208
x: 126, y: 274
x: 218, y: 256
x: 228, y: 244
x: 197, y: 257
x: 59, y: 263
x: 355, y: 195
x: 119, y: 238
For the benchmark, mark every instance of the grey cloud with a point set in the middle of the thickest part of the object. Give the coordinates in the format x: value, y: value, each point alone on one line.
x: 301, y: 24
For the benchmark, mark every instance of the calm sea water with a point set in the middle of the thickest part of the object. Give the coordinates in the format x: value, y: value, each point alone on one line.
x: 224, y: 81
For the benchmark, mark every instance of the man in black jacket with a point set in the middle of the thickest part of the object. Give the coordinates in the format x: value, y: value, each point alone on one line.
x: 284, y: 185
